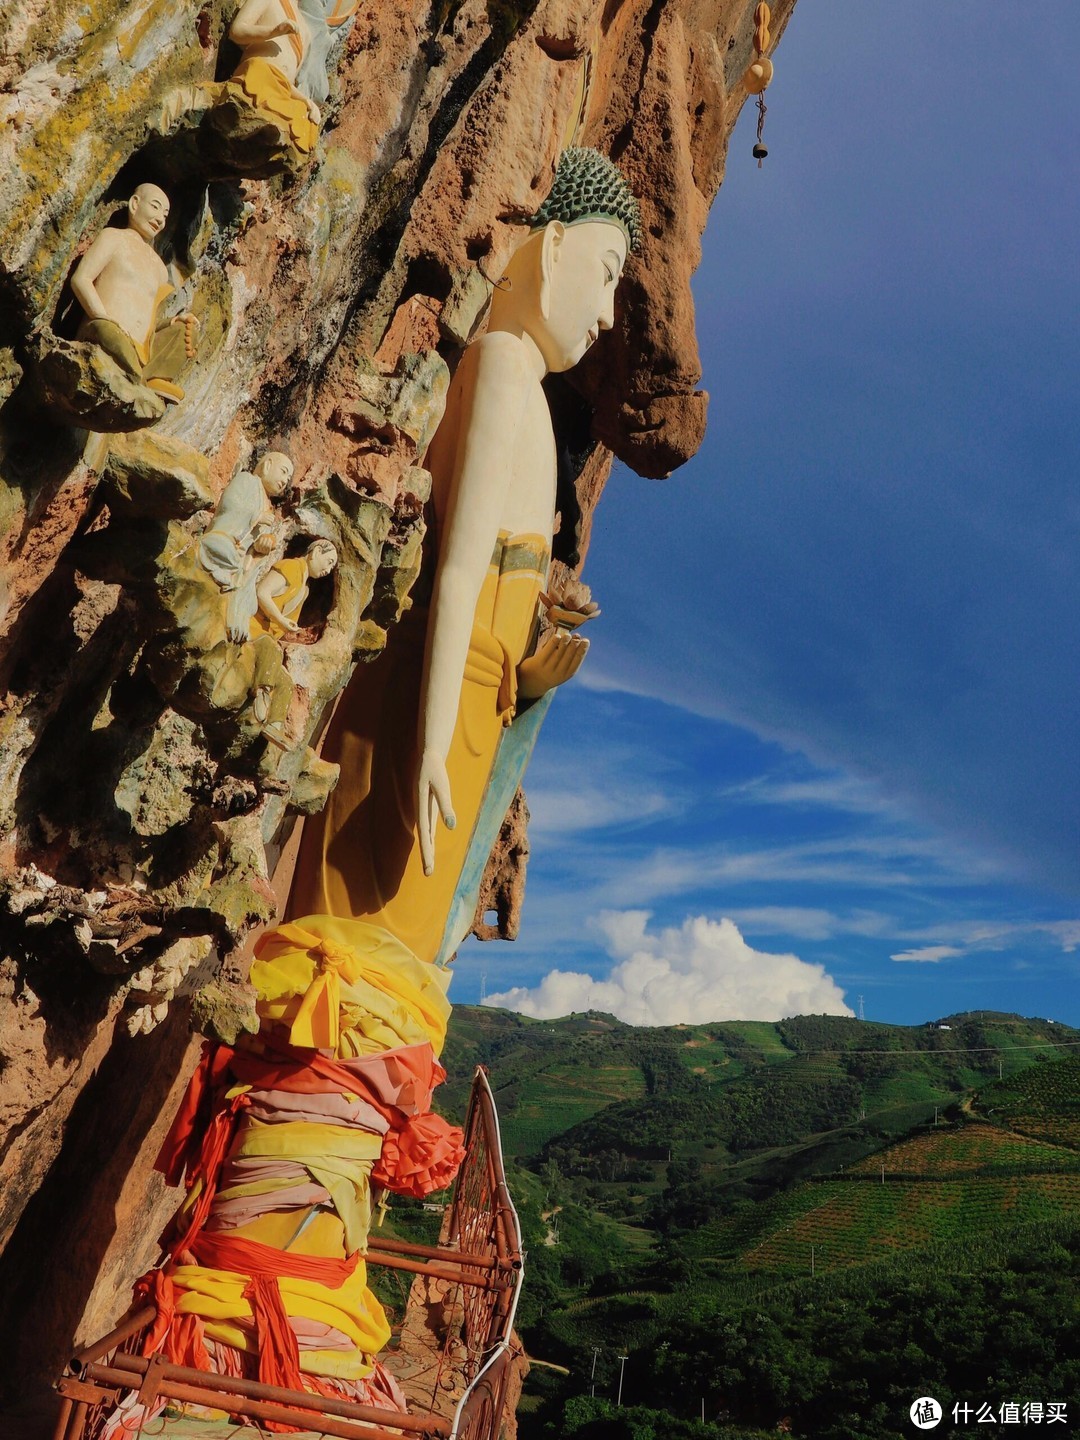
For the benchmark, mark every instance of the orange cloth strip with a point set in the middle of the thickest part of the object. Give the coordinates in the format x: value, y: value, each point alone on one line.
x: 217, y: 1250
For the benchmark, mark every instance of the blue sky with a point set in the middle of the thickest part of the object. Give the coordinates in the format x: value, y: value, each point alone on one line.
x: 825, y: 744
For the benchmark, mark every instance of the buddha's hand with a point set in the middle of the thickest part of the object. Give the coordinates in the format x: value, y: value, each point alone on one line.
x: 433, y: 799
x: 283, y: 27
x: 264, y: 543
x: 557, y: 659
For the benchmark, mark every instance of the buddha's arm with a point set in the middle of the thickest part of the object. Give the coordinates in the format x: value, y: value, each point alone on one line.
x: 493, y: 397
x: 88, y: 271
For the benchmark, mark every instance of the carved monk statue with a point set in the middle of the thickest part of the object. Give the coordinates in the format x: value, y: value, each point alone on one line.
x: 283, y: 70
x: 284, y: 588
x: 244, y: 531
x: 121, y: 283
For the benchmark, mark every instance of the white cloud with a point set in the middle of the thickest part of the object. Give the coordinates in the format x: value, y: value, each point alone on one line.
x: 808, y: 923
x: 928, y: 955
x: 700, y: 971
x: 848, y: 793
x: 562, y: 811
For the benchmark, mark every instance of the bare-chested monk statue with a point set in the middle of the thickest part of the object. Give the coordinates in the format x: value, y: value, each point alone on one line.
x: 121, y: 283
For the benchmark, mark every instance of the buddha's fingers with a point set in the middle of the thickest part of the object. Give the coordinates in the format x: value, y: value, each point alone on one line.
x: 433, y: 800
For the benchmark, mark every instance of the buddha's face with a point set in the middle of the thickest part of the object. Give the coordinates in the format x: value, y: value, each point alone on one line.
x: 148, y: 209
x: 577, y: 297
x: 275, y: 470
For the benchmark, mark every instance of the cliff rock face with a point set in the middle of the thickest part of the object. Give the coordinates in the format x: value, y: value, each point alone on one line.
x: 151, y: 771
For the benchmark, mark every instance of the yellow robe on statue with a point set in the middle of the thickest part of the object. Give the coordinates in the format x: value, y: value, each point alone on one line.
x: 361, y: 857
x: 289, y: 602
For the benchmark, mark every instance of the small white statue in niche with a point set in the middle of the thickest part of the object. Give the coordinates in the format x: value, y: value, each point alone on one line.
x: 245, y: 531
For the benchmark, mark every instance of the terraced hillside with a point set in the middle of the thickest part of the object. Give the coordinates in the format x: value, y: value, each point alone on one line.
x: 715, y: 1172
x: 1042, y: 1101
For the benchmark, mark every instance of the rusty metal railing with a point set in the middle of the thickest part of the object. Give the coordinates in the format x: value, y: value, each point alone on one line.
x: 482, y: 1259
x: 483, y: 1218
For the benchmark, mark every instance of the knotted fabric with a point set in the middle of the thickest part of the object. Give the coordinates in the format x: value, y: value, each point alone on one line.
x: 386, y: 997
x: 317, y: 1023
x: 423, y: 1155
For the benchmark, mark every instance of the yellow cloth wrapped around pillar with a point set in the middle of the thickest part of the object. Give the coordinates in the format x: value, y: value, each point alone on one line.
x: 348, y: 986
x: 218, y: 1298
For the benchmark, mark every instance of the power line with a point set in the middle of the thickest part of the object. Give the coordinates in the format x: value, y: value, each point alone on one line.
x: 950, y: 1050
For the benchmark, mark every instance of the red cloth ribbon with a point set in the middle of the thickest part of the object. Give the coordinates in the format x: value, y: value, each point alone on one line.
x: 423, y: 1155
x: 207, y: 1168
x: 279, y: 1354
x: 181, y: 1337
x: 218, y: 1250
x: 204, y: 1095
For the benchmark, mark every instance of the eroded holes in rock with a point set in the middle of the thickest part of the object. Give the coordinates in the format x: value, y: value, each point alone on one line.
x: 478, y: 247
x: 427, y: 276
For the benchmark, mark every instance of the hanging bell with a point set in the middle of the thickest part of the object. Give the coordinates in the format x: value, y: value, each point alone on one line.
x: 760, y: 151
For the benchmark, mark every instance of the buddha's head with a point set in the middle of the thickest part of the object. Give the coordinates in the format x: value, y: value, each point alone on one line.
x: 148, y: 209
x: 275, y: 470
x: 562, y: 280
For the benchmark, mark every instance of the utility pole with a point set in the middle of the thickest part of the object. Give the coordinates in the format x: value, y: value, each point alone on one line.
x: 811, y: 1260
x: 592, y: 1375
x: 1000, y: 1074
x: 862, y: 1012
x: 483, y: 986
x: 622, y: 1367
x: 883, y: 1172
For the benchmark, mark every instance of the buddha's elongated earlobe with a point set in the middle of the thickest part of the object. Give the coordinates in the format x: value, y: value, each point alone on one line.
x: 550, y: 246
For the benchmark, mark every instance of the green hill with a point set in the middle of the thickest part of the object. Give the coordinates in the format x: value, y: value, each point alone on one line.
x: 708, y: 1174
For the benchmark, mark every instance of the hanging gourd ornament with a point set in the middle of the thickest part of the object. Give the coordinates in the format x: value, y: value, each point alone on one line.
x: 760, y: 73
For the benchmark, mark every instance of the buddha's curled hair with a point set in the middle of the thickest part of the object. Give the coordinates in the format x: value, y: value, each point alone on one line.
x: 589, y: 186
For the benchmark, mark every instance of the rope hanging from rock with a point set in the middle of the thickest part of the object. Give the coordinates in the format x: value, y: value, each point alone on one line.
x: 760, y: 73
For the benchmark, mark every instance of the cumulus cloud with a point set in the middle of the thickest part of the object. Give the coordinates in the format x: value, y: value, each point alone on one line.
x: 700, y: 971
x: 928, y: 954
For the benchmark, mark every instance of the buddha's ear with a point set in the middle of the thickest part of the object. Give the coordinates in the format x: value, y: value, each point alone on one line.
x: 550, y: 247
